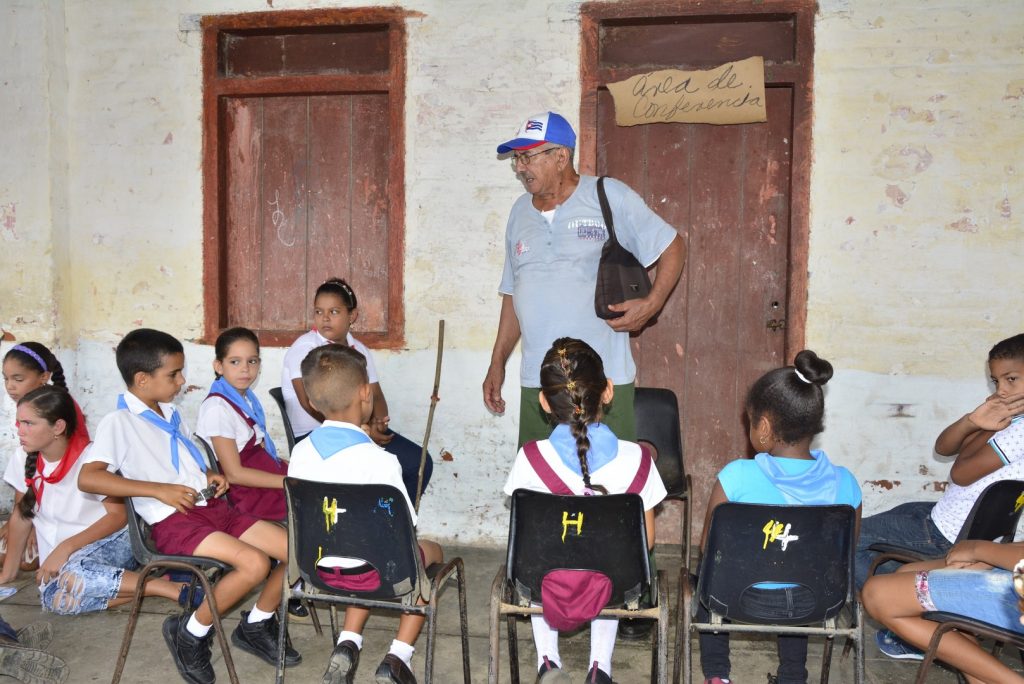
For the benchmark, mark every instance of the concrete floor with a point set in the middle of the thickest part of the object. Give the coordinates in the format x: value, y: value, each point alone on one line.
x: 90, y: 643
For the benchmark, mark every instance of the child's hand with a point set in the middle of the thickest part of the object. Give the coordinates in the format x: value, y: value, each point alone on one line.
x: 995, y: 413
x: 178, y: 497
x: 54, y: 562
x: 218, y: 481
x: 965, y: 555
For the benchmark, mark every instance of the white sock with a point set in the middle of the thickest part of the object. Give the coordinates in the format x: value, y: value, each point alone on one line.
x: 403, y: 651
x: 257, y: 615
x: 354, y: 637
x: 602, y: 643
x: 545, y: 638
x: 197, y: 628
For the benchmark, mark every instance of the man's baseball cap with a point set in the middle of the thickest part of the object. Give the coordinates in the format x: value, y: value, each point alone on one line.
x: 548, y: 127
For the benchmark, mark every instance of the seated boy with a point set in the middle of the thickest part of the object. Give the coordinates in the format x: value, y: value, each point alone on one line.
x: 335, y: 380
x: 989, y: 446
x: 166, y: 474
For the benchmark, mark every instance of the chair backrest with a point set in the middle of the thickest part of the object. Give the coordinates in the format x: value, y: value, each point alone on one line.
x: 811, y: 547
x: 601, y: 533
x: 211, y: 455
x: 996, y: 512
x: 368, y: 522
x: 657, y: 422
x: 289, y: 434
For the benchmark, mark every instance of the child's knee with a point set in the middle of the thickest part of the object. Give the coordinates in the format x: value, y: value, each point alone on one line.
x: 872, y: 596
x: 253, y: 563
x: 432, y: 552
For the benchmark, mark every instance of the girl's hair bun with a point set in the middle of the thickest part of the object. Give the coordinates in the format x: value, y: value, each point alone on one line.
x: 812, y: 368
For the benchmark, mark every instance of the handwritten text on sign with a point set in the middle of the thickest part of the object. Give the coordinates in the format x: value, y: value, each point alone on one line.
x: 729, y: 94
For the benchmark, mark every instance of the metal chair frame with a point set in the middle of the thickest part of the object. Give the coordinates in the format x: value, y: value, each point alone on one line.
x: 278, y: 397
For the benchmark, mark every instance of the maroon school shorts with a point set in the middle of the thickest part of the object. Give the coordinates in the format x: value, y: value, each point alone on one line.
x: 354, y: 579
x: 181, y: 533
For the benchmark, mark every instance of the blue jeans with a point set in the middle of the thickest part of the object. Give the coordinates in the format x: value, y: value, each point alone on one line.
x: 908, y: 525
x: 714, y: 646
x: 985, y: 595
x: 91, y: 577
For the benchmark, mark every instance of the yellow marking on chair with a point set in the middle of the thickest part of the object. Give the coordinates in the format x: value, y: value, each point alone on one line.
x: 568, y: 522
x: 1018, y: 503
x: 777, y: 531
x: 331, y: 512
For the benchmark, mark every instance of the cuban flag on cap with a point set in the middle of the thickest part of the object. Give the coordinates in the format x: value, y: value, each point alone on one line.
x: 548, y: 127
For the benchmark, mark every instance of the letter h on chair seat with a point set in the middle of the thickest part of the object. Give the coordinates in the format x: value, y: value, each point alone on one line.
x: 204, y: 570
x: 275, y: 393
x: 371, y: 523
x: 808, y: 548
x: 603, y: 534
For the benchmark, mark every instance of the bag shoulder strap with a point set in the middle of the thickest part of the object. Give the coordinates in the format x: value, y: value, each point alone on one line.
x: 248, y: 421
x: 544, y: 471
x: 637, y: 485
x: 606, y: 209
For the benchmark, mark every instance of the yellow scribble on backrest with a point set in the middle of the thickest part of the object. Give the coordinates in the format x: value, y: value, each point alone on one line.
x: 568, y: 522
x: 1018, y: 503
x: 776, y: 530
x: 330, y: 513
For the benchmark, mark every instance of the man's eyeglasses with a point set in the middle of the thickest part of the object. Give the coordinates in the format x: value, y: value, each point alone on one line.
x: 525, y: 158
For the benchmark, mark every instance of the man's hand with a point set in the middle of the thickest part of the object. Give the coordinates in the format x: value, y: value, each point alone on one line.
x: 377, y: 429
x: 492, y: 388
x: 636, y: 313
x: 995, y: 413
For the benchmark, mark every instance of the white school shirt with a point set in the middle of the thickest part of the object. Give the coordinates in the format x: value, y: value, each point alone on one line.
x: 364, y: 463
x: 615, y: 476
x: 65, y: 511
x: 951, y: 511
x: 217, y: 418
x: 142, y: 451
x: 302, y: 422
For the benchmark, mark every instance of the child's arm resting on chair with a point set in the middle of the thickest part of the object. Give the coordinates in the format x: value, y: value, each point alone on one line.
x: 95, y: 478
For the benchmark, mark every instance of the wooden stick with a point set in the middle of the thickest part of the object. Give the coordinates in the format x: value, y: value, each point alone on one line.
x: 430, y: 416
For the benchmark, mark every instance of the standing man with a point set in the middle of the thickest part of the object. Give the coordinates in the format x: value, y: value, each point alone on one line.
x: 553, y: 244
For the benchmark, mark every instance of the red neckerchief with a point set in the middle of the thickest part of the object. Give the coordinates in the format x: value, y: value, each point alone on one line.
x: 76, y: 445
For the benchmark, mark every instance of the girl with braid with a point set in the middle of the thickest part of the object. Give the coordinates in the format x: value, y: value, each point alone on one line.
x: 583, y: 455
x: 27, y: 366
x: 83, y: 542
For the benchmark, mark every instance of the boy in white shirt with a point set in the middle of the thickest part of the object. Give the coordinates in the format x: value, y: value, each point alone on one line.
x: 178, y: 497
x: 336, y: 383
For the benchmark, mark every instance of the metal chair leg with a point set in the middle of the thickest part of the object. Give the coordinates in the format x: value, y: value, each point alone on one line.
x: 662, y: 647
x: 494, y: 627
x: 464, y: 623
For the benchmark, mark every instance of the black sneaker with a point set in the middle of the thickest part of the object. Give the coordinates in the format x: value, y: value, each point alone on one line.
x: 598, y: 676
x: 341, y: 669
x: 635, y: 630
x: 191, y: 653
x: 393, y: 671
x: 260, y: 639
x: 297, y: 610
x: 549, y: 673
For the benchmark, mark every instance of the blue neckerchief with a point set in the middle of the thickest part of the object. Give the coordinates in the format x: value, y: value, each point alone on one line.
x: 171, y: 428
x: 329, y: 439
x: 251, y: 407
x: 816, y: 485
x: 604, y: 446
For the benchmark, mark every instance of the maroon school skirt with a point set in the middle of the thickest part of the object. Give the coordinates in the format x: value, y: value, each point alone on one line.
x: 259, y: 502
x: 181, y: 533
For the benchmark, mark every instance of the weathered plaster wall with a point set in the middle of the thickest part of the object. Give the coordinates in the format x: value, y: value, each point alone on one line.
x: 915, y: 245
x: 913, y: 239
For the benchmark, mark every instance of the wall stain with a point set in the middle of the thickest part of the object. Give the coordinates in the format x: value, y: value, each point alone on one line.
x: 446, y: 455
x: 900, y: 411
x: 922, y: 470
x: 964, y: 225
x: 883, y: 484
x: 896, y: 195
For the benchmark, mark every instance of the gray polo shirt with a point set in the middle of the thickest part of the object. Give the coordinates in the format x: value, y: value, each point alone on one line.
x: 551, y: 271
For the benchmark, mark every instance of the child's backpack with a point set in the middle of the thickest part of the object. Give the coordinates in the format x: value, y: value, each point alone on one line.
x: 571, y: 598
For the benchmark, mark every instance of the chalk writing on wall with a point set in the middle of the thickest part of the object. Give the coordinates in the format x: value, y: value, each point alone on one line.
x: 728, y: 94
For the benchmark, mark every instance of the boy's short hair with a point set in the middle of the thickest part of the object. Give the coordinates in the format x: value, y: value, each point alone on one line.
x: 332, y: 374
x: 143, y: 351
x: 1010, y: 348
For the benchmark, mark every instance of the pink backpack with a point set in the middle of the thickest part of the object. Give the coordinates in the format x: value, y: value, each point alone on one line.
x: 571, y: 598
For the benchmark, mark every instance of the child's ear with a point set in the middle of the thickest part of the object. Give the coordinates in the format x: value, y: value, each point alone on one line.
x: 353, y: 316
x: 544, y: 402
x: 218, y: 367
x: 764, y: 430
x: 313, y: 405
x: 60, y: 427
x: 608, y: 394
x: 46, y: 377
x: 140, y: 379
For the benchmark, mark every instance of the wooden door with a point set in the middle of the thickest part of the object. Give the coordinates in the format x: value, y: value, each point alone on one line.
x: 737, y: 194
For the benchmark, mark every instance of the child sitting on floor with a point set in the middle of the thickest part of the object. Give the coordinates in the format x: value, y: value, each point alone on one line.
x: 785, y: 408
x: 335, y: 381
x: 587, y: 457
x: 176, y: 494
